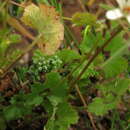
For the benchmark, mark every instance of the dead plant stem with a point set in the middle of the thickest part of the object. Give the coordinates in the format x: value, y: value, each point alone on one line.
x: 85, y: 105
x: 82, y: 5
x: 20, y: 56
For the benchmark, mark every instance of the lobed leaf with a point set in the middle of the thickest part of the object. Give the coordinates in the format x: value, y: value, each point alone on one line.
x: 81, y: 19
x: 46, y: 21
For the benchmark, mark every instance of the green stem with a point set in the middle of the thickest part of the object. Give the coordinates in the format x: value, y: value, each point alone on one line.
x: 99, y: 50
x: 67, y: 18
x: 72, y: 37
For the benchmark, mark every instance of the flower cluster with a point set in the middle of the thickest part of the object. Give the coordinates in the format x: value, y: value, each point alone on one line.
x: 43, y: 64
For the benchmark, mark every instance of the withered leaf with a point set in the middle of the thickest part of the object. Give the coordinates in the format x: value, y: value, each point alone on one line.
x: 46, y: 21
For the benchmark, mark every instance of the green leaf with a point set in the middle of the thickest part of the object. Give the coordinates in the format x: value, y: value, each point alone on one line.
x: 118, y: 87
x: 50, y: 125
x: 82, y: 19
x: 33, y: 99
x: 114, y: 66
x: 15, y: 38
x: 52, y: 79
x: 122, y: 86
x: 18, y: 99
x: 2, y: 124
x: 67, y: 55
x: 89, y: 41
x: 106, y: 6
x: 43, y: 1
x: 56, y: 85
x: 89, y: 72
x: 54, y: 100
x: 37, y: 88
x: 65, y: 116
x: 113, y: 47
x: 100, y: 107
x: 97, y: 106
x: 12, y: 112
x: 112, y: 93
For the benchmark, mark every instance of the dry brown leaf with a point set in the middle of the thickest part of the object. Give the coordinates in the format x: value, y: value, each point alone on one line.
x: 47, y: 22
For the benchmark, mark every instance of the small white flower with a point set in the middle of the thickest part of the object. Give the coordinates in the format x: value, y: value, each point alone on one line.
x: 122, y: 11
x: 40, y: 63
x: 44, y: 62
x: 40, y: 68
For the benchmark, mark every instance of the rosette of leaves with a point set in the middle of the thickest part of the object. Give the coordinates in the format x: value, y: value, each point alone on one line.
x: 47, y: 22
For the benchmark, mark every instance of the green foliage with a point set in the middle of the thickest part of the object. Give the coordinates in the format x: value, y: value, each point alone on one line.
x: 68, y: 55
x: 90, y: 40
x: 47, y: 63
x: 22, y: 104
x: 43, y: 1
x: 117, y: 87
x: 7, y: 41
x: 54, y: 83
x: 113, y: 46
x: 61, y: 108
x: 47, y: 80
x: 114, y: 66
x: 83, y: 19
x: 112, y: 93
x: 43, y: 64
x: 12, y: 112
x: 100, y: 107
x: 2, y: 124
x: 106, y: 6
x: 89, y: 72
x: 65, y: 116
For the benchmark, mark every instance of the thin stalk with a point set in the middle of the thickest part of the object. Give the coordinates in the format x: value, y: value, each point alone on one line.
x: 85, y: 105
x: 19, y: 27
x: 99, y: 50
x: 15, y: 3
x: 20, y: 56
x: 67, y: 18
x: 3, y: 5
x: 72, y: 37
x: 82, y: 5
x: 90, y: 2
